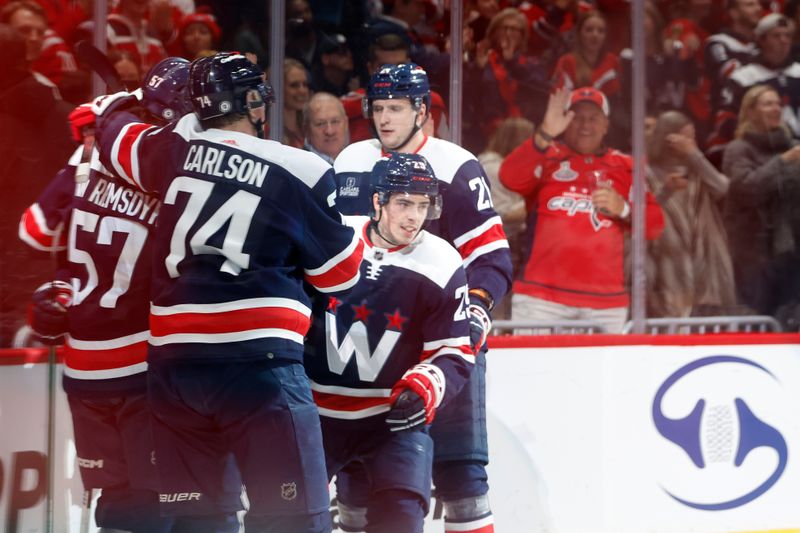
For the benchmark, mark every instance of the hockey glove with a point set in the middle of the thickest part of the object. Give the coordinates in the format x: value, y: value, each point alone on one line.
x: 415, y: 397
x: 480, y: 324
x: 105, y: 105
x: 48, y: 311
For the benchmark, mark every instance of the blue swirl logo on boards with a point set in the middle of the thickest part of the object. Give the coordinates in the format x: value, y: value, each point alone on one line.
x: 753, y: 433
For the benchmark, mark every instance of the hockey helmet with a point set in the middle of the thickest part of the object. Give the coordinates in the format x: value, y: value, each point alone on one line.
x: 407, y: 174
x: 219, y: 84
x: 406, y: 80
x: 165, y: 93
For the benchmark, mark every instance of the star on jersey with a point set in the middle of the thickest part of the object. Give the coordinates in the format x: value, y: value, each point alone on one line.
x: 333, y: 304
x: 395, y: 321
x: 362, y: 313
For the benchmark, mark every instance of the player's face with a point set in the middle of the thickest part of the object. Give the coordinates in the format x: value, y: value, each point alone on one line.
x: 394, y: 120
x: 401, y: 218
x: 588, y: 128
x: 768, y: 111
x: 327, y: 128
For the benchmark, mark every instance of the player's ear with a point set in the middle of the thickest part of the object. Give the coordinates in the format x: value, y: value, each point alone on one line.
x: 376, y: 206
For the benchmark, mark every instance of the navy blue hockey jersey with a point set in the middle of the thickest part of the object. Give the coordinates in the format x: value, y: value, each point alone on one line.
x: 409, y: 307
x: 244, y: 222
x: 108, y: 226
x: 468, y: 221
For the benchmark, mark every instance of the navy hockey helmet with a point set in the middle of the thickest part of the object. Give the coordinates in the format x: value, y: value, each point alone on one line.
x: 407, y: 174
x: 406, y: 80
x: 165, y: 91
x: 218, y: 85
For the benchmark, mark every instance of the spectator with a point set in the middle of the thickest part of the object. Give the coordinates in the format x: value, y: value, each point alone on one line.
x: 690, y: 266
x: 198, y: 35
x: 47, y: 52
x: 772, y: 66
x: 551, y: 23
x: 479, y: 15
x: 509, y: 205
x: 127, y: 30
x: 302, y: 39
x: 325, y: 124
x: 589, y: 64
x: 334, y: 70
x: 296, y: 95
x: 127, y: 68
x: 763, y: 163
x: 669, y: 73
x: 579, y: 189
x: 792, y: 11
x: 732, y: 47
x: 34, y: 143
x: 503, y: 81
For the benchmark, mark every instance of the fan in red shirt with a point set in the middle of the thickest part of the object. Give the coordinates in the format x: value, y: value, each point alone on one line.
x: 579, y: 190
x: 590, y: 64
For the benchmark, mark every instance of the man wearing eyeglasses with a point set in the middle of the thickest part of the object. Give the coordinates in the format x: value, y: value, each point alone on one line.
x: 325, y: 126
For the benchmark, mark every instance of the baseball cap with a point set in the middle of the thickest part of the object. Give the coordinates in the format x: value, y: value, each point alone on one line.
x: 335, y: 42
x: 589, y: 94
x: 770, y: 22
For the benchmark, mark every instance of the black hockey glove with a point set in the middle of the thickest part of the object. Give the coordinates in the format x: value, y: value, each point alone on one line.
x: 415, y: 397
x: 480, y: 323
x: 48, y: 312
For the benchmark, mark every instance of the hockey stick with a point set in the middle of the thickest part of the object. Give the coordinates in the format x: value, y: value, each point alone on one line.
x: 90, y: 56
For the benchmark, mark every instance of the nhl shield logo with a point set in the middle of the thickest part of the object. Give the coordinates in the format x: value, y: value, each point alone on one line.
x: 289, y: 491
x: 565, y: 173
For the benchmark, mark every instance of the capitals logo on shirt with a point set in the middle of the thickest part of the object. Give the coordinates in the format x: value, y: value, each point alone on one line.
x: 565, y: 173
x: 350, y: 187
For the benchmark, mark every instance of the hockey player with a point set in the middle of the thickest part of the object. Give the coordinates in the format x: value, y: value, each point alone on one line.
x: 397, y: 103
x: 243, y: 223
x: 101, y: 303
x: 384, y: 358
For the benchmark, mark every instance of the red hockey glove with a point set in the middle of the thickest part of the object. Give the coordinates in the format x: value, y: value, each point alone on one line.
x: 415, y: 397
x: 81, y: 117
x: 48, y: 311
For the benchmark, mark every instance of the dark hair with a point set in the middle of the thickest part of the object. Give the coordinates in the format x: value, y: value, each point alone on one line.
x: 388, y: 42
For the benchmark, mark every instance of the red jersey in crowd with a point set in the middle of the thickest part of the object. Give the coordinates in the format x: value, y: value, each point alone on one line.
x: 56, y: 58
x: 577, y: 256
x: 605, y: 76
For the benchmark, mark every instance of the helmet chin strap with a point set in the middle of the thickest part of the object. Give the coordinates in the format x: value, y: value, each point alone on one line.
x: 373, y: 224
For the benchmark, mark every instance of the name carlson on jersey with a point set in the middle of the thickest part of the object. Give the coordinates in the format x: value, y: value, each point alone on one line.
x: 110, y: 195
x: 213, y: 161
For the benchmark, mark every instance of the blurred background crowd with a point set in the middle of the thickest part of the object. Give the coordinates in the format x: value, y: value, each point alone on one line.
x: 722, y: 105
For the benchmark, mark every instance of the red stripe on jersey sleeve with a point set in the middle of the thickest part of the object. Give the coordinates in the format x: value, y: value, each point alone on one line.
x: 230, y: 321
x: 105, y: 359
x: 338, y: 402
x: 130, y: 137
x: 465, y: 350
x: 42, y: 236
x: 492, y: 234
x: 340, y: 273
